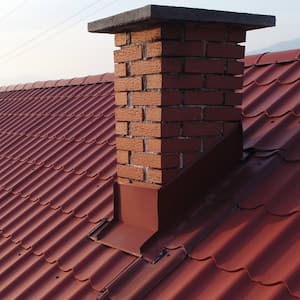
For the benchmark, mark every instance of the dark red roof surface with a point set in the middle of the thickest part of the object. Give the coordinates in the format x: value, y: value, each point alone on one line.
x: 57, y: 161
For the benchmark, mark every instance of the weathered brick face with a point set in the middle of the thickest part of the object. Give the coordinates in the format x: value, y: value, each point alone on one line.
x: 175, y: 95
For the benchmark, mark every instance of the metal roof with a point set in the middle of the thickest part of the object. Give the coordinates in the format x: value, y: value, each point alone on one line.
x: 57, y: 160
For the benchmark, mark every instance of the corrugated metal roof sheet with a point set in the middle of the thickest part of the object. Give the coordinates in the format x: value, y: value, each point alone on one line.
x: 57, y: 161
x: 57, y: 167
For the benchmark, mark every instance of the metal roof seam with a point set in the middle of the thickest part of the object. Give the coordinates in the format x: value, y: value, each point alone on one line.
x: 267, y: 114
x: 275, y: 152
x: 87, y: 80
x: 55, y: 263
x: 268, y: 58
x: 54, y: 137
x: 270, y: 212
x: 60, y: 168
x: 244, y: 269
x: 28, y: 197
x: 59, y: 115
x: 271, y: 82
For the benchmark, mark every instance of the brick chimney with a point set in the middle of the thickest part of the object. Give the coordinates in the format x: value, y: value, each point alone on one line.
x: 175, y: 80
x: 176, y: 76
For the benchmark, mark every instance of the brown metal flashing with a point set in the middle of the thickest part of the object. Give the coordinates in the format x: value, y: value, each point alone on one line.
x: 140, y: 213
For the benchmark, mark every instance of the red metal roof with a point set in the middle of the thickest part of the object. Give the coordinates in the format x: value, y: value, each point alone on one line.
x: 57, y: 161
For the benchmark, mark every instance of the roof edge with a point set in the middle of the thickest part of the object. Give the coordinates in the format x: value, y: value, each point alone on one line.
x: 268, y: 58
x: 92, y: 79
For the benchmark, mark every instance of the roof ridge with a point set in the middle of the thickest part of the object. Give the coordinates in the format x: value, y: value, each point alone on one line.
x: 268, y: 58
x: 85, y: 80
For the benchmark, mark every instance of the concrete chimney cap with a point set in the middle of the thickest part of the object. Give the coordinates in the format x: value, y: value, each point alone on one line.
x: 154, y: 14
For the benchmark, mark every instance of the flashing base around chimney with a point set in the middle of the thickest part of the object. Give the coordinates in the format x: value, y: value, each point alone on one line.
x: 143, y: 212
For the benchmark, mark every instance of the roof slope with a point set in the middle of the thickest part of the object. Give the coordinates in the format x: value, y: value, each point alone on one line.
x: 57, y: 163
x: 56, y: 185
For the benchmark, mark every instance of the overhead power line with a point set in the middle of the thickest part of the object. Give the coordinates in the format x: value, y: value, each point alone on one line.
x: 12, y: 11
x: 6, y: 56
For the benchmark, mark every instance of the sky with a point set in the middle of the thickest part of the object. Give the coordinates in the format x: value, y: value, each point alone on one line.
x: 48, y: 39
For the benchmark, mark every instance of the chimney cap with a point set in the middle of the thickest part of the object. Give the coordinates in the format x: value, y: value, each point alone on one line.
x: 155, y: 14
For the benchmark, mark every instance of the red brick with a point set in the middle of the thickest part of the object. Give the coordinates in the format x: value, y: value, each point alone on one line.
x: 142, y: 67
x: 122, y: 157
x: 123, y: 143
x: 147, y: 35
x: 146, y: 98
x: 146, y: 129
x: 154, y: 49
x: 128, y: 84
x: 172, y: 65
x: 175, y: 48
x: 196, y: 32
x: 146, y: 159
x: 121, y: 98
x: 182, y: 81
x: 154, y: 114
x: 155, y: 160
x: 201, y: 98
x: 156, y: 98
x: 235, y: 67
x: 202, y: 128
x: 129, y: 114
x: 122, y: 128
x: 170, y: 161
x: 172, y: 48
x: 173, y: 114
x: 222, y: 113
x: 120, y: 70
x: 237, y: 35
x: 233, y: 98
x: 155, y: 129
x: 120, y: 39
x: 161, y: 176
x: 173, y: 145
x: 128, y: 54
x: 170, y: 98
x: 131, y: 172
x: 223, y: 82
x: 204, y: 66
x: 225, y: 50
x: 154, y: 81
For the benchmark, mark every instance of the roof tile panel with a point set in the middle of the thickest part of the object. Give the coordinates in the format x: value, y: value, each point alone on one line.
x: 54, y: 189
x: 203, y: 280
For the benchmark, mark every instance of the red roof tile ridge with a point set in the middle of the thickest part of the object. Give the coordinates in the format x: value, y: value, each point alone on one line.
x: 49, y: 205
x: 267, y: 58
x: 282, y: 82
x: 269, y: 211
x: 246, y: 270
x: 268, y: 115
x: 108, y: 141
x: 55, y: 263
x: 92, y: 79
